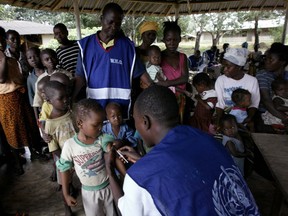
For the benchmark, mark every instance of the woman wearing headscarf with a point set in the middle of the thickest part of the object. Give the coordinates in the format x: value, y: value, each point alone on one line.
x: 148, y: 32
x: 233, y: 78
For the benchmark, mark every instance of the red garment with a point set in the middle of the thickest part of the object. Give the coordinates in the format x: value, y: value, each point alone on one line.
x: 202, y: 117
x: 174, y: 73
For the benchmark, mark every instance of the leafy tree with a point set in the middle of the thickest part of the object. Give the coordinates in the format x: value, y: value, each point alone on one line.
x: 260, y: 15
x: 220, y: 23
x: 200, y: 21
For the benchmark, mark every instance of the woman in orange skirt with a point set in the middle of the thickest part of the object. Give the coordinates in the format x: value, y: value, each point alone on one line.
x: 16, y: 117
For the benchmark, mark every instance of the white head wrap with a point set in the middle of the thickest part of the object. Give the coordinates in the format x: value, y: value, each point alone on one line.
x: 236, y: 56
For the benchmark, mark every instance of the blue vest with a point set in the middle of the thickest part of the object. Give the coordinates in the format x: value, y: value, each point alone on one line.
x: 108, y: 72
x: 190, y: 173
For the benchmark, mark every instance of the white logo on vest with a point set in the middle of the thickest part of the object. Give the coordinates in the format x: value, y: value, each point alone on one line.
x: 231, y: 195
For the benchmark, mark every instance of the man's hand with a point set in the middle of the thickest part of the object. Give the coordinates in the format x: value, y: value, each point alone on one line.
x: 130, y: 153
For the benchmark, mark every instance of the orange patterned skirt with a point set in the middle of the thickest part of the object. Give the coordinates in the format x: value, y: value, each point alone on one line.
x: 16, y: 119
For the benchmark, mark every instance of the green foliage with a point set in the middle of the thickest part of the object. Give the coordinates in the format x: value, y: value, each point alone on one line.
x: 250, y: 15
x: 17, y: 13
x: 277, y: 33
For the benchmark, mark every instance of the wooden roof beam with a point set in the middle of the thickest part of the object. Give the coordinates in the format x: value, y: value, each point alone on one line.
x: 136, y: 8
x: 276, y: 5
x: 152, y: 9
x: 134, y: 3
x: 83, y: 6
x: 57, y: 4
x: 44, y: 5
x: 189, y: 6
x: 36, y: 6
x: 169, y: 10
x: 95, y: 6
x: 263, y: 4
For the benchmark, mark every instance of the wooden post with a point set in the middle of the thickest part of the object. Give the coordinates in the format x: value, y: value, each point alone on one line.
x: 176, y: 11
x: 77, y: 18
x: 285, y: 27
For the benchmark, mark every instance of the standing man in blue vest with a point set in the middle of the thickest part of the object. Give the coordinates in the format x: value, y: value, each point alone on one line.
x: 107, y: 62
x: 186, y: 173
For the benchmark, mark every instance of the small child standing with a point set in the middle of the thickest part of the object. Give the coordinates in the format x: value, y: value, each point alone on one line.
x: 206, y: 101
x: 232, y: 140
x: 50, y: 61
x: 33, y: 58
x: 280, y: 102
x: 46, y: 107
x: 59, y: 124
x: 116, y: 127
x: 85, y: 152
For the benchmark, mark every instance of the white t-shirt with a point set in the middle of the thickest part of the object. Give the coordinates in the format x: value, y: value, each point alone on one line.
x: 224, y: 87
x: 136, y: 200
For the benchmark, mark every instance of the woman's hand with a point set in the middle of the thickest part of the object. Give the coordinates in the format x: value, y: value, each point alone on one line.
x: 162, y: 83
x: 130, y: 153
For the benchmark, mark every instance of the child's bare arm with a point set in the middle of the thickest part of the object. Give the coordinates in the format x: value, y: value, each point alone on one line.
x: 66, y: 177
x: 120, y: 167
x: 279, y: 105
x: 187, y: 93
x: 233, y: 151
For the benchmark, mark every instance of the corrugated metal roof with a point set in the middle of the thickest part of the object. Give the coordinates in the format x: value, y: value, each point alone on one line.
x: 153, y: 8
x: 27, y: 27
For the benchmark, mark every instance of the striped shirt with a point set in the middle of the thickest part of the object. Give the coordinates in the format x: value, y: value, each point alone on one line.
x: 68, y: 57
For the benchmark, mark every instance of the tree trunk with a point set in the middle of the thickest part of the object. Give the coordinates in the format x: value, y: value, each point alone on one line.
x: 197, y: 40
x: 256, y: 33
x: 214, y: 41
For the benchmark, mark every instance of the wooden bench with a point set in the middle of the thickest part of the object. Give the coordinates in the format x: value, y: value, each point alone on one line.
x: 274, y: 149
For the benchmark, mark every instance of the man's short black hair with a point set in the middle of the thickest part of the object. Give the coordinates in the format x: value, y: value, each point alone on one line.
x: 160, y: 103
x: 112, y: 7
x: 61, y: 26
